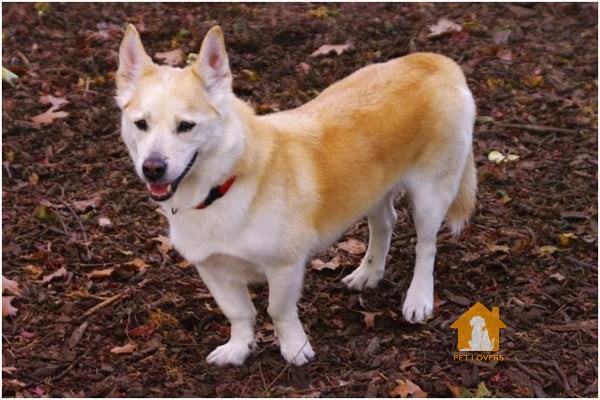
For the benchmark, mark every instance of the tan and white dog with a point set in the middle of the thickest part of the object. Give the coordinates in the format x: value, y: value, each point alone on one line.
x: 249, y: 198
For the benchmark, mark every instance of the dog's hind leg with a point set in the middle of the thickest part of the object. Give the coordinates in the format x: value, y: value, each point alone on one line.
x: 431, y: 198
x: 285, y: 287
x: 382, y: 219
x: 234, y: 300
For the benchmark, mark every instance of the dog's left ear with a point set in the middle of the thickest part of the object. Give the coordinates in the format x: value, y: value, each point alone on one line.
x: 212, y: 64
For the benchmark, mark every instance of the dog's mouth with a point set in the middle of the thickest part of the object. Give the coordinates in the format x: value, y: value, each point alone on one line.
x: 161, y: 191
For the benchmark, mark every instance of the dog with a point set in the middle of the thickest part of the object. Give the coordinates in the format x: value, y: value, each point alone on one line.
x: 480, y: 338
x: 249, y: 198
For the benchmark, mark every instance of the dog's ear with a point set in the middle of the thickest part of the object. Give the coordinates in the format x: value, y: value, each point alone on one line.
x: 212, y: 64
x: 133, y: 61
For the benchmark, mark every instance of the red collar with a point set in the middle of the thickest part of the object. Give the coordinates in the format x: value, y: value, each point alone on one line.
x: 216, y: 193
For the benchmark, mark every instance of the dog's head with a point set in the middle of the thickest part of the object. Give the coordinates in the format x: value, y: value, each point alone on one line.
x: 477, y: 322
x: 175, y: 122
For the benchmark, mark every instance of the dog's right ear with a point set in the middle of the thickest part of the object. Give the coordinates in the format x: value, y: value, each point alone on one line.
x: 133, y: 61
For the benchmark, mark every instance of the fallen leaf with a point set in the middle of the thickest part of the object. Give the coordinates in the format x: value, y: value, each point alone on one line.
x: 84, y: 205
x: 558, y: 277
x: 172, y: 58
x: 77, y: 334
x: 443, y: 27
x: 353, y: 246
x: 34, y: 270
x: 126, y: 349
x: 328, y: 48
x: 506, y: 54
x: 406, y: 364
x: 547, y: 250
x: 500, y: 248
x: 459, y: 391
x: 565, y: 238
x: 56, y: 274
x: 496, y: 156
x: 55, y: 102
x: 141, y: 331
x: 7, y: 308
x: 165, y: 244
x: 10, y: 286
x: 139, y: 264
x: 320, y: 265
x: 501, y: 37
x: 406, y: 388
x: 369, y: 318
x: 100, y: 273
x: 482, y: 391
x: 34, y: 179
x: 48, y: 117
x: 9, y: 76
x: 104, y: 222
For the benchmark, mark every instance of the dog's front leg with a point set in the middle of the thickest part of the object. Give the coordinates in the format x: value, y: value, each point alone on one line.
x: 285, y: 287
x: 234, y: 300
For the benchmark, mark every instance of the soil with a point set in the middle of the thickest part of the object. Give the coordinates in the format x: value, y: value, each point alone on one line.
x: 107, y: 308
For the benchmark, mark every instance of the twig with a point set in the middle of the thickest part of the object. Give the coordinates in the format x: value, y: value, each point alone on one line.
x: 103, y: 304
x: 575, y: 326
x: 537, y: 128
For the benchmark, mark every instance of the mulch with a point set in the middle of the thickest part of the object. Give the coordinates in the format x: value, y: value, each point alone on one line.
x: 106, y: 308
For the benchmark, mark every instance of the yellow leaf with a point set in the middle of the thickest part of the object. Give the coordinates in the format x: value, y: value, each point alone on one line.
x: 547, y: 250
x: 565, y: 238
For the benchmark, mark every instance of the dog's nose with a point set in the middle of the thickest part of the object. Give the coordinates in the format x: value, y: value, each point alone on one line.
x: 154, y: 168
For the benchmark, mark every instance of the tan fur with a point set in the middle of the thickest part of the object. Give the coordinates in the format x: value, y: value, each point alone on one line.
x: 360, y: 135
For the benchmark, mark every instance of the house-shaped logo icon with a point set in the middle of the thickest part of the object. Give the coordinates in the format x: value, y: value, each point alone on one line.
x: 479, y: 329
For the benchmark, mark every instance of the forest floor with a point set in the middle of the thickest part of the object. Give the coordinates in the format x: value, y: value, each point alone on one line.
x: 105, y: 307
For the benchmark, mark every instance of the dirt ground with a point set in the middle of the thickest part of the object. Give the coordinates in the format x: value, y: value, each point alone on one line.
x: 106, y: 308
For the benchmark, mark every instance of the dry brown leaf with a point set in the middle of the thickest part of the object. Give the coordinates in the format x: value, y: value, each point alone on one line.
x: 77, y: 334
x: 62, y: 271
x: 407, y: 388
x: 442, y: 27
x: 353, y: 246
x: 328, y: 48
x: 406, y: 364
x: 139, y: 264
x: 10, y: 286
x: 369, y: 318
x: 172, y: 58
x: 84, y: 205
x: 101, y: 273
x: 7, y: 308
x: 165, y: 244
x: 127, y: 349
x: 319, y: 265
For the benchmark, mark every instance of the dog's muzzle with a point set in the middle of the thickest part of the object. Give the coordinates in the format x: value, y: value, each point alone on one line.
x: 154, y: 170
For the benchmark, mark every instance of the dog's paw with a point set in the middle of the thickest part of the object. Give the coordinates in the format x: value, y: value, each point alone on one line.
x: 231, y: 353
x: 418, y: 305
x: 363, y: 278
x: 297, y: 352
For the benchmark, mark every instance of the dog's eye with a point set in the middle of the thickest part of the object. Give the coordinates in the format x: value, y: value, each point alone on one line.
x: 141, y: 124
x: 185, y: 126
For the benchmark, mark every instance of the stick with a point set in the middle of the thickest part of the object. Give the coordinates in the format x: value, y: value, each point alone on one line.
x: 102, y: 305
x: 537, y: 128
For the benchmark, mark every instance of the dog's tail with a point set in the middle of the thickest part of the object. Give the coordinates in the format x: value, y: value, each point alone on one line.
x: 464, y: 203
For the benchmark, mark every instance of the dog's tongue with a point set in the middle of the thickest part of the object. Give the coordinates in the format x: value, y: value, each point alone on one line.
x: 159, y: 189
